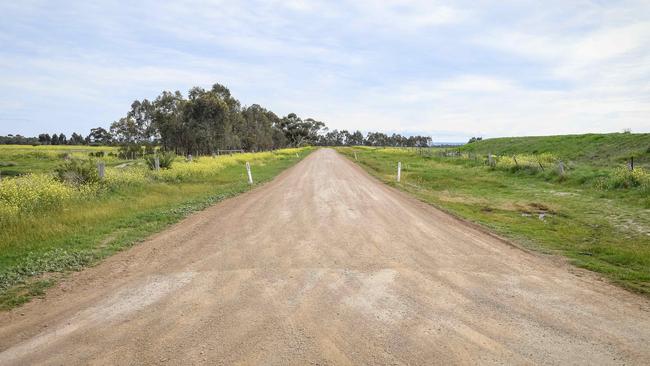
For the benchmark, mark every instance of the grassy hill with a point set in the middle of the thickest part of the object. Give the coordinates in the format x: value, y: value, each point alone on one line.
x: 595, y: 149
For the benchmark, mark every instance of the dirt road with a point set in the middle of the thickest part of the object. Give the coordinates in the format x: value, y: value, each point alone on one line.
x: 325, y: 265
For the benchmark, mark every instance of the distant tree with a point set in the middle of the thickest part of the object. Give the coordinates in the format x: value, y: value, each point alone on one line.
x: 474, y: 139
x: 256, y: 131
x: 99, y: 136
x: 376, y: 139
x: 168, y: 120
x: 299, y: 132
x: 212, y: 119
x: 55, y: 139
x: 63, y: 139
x: 76, y: 139
x: 18, y: 140
x: 355, y: 139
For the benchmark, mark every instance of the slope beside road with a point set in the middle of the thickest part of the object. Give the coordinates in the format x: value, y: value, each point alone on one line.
x: 326, y: 265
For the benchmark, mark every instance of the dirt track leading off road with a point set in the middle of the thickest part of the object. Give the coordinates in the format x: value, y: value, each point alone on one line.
x: 326, y: 265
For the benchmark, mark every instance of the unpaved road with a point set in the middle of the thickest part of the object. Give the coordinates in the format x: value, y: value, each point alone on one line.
x: 325, y: 265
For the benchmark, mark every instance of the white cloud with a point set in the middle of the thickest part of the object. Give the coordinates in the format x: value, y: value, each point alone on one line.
x: 459, y: 69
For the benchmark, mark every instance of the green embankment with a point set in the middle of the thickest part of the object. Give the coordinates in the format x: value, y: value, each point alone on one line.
x: 593, y: 149
x: 39, y: 246
x: 593, y: 219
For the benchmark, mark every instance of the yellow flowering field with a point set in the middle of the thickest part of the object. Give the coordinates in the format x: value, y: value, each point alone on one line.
x: 37, y: 192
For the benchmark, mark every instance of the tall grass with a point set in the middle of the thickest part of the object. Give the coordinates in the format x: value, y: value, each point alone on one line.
x: 42, y: 192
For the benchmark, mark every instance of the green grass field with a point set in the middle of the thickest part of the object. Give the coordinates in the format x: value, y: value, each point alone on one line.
x: 592, y: 149
x: 604, y: 229
x: 40, y: 243
x: 22, y: 159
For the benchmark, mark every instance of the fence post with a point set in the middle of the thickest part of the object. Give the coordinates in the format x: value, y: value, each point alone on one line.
x: 100, y: 169
x: 250, y: 176
x: 399, y: 170
x: 631, y: 162
x: 156, y: 163
x: 491, y: 160
x: 515, y: 159
x: 560, y: 168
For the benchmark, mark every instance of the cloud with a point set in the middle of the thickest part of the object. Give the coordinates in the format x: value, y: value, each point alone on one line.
x: 456, y: 69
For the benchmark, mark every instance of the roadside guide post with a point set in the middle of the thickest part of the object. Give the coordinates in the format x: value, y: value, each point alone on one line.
x: 248, y: 171
x: 399, y: 170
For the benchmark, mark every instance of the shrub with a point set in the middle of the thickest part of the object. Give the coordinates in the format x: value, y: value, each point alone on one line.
x: 30, y: 193
x: 526, y: 163
x: 623, y: 177
x: 626, y: 178
x: 77, y: 172
x: 165, y: 160
x: 127, y: 152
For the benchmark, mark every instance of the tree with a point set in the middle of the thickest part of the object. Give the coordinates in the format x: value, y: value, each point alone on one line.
x: 167, y: 119
x: 212, y: 119
x: 208, y: 121
x: 256, y: 131
x: 299, y: 132
x: 376, y: 139
x: 76, y: 139
x: 55, y: 139
x: 355, y: 139
x: 99, y: 136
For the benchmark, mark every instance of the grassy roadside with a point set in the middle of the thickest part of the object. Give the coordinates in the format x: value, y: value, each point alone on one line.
x: 38, y: 248
x: 606, y: 231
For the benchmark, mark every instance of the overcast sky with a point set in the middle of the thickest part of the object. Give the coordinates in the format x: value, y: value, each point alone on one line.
x: 448, y: 69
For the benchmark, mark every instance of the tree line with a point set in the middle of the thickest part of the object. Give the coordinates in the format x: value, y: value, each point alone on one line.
x: 209, y: 120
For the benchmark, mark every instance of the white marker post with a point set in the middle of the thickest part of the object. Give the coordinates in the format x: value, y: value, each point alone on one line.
x: 156, y: 163
x: 250, y: 176
x: 399, y: 170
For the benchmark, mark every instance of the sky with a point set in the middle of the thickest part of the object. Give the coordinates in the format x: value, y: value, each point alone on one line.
x: 451, y: 70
